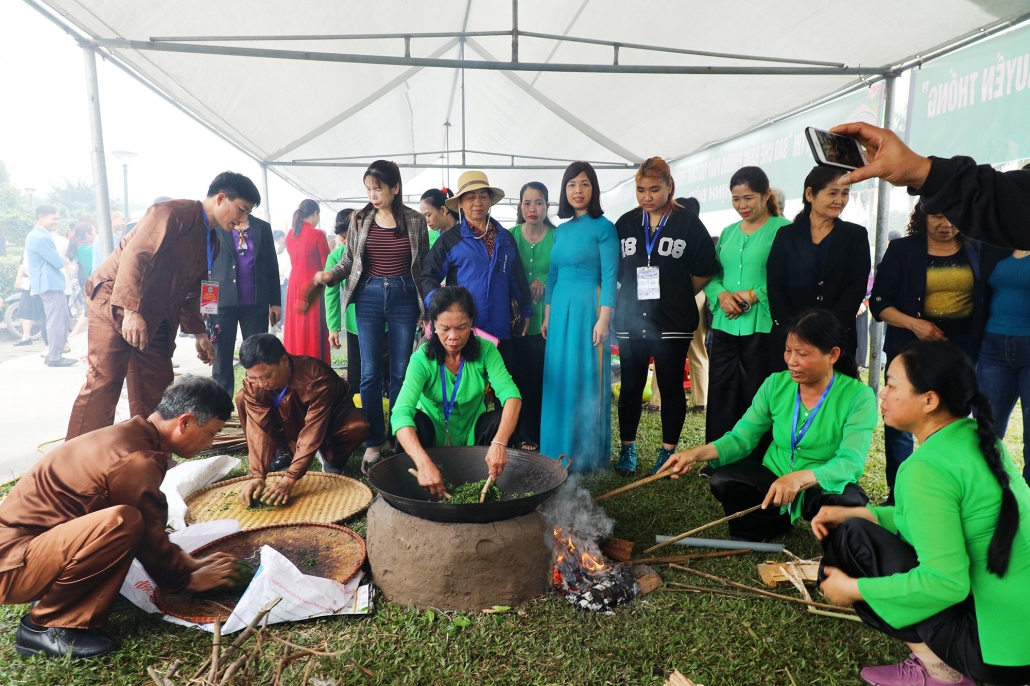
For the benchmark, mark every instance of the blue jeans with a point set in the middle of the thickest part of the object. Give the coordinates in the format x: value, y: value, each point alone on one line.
x: 391, y: 301
x: 1003, y: 372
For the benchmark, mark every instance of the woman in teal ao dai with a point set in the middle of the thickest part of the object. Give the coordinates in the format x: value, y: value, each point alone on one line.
x: 580, y: 296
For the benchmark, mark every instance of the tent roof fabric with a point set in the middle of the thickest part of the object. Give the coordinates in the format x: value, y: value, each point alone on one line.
x: 286, y: 110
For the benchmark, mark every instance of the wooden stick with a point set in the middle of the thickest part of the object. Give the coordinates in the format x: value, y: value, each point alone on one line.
x: 486, y: 487
x: 759, y: 591
x: 838, y: 615
x: 709, y: 525
x: 636, y: 484
x: 686, y: 558
x: 307, y: 672
x: 156, y: 677
x: 215, y: 650
x: 244, y: 635
x: 446, y: 495
x: 706, y: 589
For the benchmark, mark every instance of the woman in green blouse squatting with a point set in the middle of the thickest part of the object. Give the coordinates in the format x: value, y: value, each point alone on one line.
x: 442, y: 401
x: 822, y: 419
x: 947, y: 570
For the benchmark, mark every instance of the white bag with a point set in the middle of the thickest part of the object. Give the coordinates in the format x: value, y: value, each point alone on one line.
x: 189, y: 477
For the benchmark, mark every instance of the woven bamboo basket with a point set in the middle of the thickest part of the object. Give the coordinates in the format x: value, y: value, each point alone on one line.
x: 317, y: 497
x: 325, y: 550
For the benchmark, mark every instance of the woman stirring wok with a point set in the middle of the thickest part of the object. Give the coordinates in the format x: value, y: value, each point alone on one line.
x: 442, y: 401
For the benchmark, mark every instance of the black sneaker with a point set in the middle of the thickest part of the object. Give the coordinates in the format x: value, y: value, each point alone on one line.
x: 54, y: 642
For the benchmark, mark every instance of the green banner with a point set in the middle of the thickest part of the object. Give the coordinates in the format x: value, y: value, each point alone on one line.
x: 975, y: 102
x: 780, y: 149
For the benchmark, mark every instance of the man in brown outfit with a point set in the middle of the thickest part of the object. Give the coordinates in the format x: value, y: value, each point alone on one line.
x: 140, y: 295
x: 72, y: 525
x: 295, y: 404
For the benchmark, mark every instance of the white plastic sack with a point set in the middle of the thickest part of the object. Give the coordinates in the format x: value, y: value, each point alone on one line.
x: 138, y: 587
x: 188, y: 477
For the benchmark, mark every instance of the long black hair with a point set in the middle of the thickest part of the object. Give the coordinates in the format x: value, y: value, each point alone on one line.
x: 386, y: 173
x: 444, y: 299
x: 565, y: 210
x: 940, y: 367
x: 819, y: 178
x: 820, y: 328
x: 756, y: 179
x: 307, y: 208
x: 542, y: 189
x: 437, y: 197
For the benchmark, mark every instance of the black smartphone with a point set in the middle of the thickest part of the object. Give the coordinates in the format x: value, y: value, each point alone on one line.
x: 835, y: 150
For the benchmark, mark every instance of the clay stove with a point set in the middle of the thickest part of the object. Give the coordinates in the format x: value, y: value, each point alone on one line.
x: 457, y: 566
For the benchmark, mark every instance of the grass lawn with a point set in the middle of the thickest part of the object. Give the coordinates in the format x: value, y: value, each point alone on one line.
x: 711, y: 639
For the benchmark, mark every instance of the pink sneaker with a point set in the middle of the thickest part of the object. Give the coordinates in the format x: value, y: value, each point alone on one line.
x: 911, y: 672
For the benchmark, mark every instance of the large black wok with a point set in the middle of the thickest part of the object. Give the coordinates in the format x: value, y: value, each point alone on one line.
x: 525, y: 473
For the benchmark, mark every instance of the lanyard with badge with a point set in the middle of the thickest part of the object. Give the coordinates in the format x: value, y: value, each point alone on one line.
x: 449, y: 406
x: 647, y: 277
x: 795, y: 435
x: 282, y: 394
x: 209, y: 288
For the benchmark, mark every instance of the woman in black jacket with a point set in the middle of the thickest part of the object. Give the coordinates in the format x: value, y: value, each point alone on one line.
x: 928, y: 287
x: 818, y: 261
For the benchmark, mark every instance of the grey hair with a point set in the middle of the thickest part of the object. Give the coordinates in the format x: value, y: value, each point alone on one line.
x: 199, y: 396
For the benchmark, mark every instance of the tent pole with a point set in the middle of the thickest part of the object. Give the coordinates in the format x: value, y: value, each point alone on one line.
x: 883, y: 207
x: 514, y: 31
x: 264, y: 193
x: 100, y: 192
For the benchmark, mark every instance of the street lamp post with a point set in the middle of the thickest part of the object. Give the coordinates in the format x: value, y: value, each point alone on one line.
x: 124, y: 156
x: 30, y: 191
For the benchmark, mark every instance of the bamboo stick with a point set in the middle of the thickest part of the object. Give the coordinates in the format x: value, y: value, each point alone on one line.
x: 486, y: 487
x: 759, y: 591
x: 446, y: 495
x: 709, y: 525
x: 215, y: 650
x: 686, y: 558
x: 684, y: 588
x: 636, y: 484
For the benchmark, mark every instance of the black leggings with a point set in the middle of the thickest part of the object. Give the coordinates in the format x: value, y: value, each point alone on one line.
x: 670, y: 359
x: 737, y: 367
x: 486, y: 429
x: 862, y: 549
x: 741, y: 485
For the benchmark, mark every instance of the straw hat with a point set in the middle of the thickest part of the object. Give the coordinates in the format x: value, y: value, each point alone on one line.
x: 474, y: 181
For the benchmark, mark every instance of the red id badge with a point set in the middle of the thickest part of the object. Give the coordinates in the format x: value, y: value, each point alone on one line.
x: 209, y: 297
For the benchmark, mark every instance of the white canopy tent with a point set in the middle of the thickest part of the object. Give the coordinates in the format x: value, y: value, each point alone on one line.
x: 316, y: 90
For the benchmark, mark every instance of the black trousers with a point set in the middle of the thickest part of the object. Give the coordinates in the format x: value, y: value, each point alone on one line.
x: 527, y: 371
x: 741, y: 485
x: 354, y: 360
x: 486, y: 428
x: 670, y: 358
x: 737, y: 367
x: 250, y: 319
x: 862, y: 549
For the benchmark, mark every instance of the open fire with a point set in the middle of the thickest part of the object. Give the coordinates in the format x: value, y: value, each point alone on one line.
x: 585, y: 578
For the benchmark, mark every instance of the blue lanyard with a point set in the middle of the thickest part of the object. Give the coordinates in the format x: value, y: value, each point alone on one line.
x: 449, y: 406
x: 211, y: 248
x: 649, y: 240
x: 282, y: 394
x: 795, y: 435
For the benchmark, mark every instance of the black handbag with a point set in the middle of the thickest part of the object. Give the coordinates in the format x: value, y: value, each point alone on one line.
x: 518, y: 322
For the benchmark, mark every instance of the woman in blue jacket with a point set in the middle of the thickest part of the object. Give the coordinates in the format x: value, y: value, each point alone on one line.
x: 482, y: 257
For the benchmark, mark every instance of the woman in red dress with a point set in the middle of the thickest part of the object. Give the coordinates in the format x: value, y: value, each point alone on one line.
x: 306, y: 333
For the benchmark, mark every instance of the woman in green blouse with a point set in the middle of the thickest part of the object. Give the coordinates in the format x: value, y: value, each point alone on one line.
x: 332, y: 304
x: 442, y: 401
x: 534, y: 237
x: 741, y: 322
x: 822, y: 419
x: 947, y: 570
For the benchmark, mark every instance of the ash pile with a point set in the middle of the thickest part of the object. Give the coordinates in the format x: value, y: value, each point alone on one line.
x: 582, y: 575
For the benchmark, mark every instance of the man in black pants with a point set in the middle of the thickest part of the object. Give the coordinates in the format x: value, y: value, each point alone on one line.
x: 249, y: 298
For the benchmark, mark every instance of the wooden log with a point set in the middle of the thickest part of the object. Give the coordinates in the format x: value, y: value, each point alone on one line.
x: 773, y: 576
x: 636, y: 484
x: 759, y: 591
x: 617, y: 549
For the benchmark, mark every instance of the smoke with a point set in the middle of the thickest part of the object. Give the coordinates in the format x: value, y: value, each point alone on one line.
x: 572, y: 507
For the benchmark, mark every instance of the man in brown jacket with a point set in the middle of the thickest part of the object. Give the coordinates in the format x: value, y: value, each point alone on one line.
x: 140, y: 295
x: 72, y: 525
x: 297, y: 405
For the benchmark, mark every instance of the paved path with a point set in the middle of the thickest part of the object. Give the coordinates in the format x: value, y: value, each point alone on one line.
x: 35, y: 401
